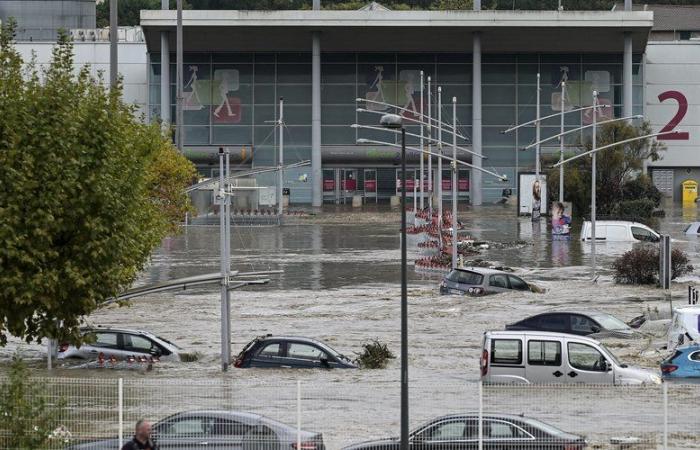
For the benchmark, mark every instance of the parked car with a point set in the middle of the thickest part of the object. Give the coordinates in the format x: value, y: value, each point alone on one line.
x: 544, y: 357
x: 574, y: 322
x: 499, y: 431
x: 220, y: 430
x: 288, y: 351
x: 619, y: 231
x: 480, y: 281
x: 685, y: 327
x: 120, y: 344
x: 683, y: 363
x: 693, y: 229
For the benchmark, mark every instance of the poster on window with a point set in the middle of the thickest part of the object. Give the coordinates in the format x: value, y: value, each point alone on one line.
x: 532, y: 195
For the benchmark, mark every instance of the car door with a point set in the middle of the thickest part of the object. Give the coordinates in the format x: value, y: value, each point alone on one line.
x: 544, y: 361
x: 447, y: 434
x: 139, y: 345
x: 582, y: 325
x: 587, y: 364
x: 106, y: 342
x: 184, y: 433
x: 305, y: 355
x: 498, y: 282
x: 269, y: 354
x: 516, y: 283
x: 501, y: 434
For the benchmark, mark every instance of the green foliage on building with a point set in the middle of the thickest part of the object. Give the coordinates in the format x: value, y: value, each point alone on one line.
x: 88, y: 191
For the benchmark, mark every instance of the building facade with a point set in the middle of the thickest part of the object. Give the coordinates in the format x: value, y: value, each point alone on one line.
x: 40, y: 20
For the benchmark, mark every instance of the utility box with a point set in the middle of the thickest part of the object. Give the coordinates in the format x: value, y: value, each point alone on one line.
x: 690, y: 192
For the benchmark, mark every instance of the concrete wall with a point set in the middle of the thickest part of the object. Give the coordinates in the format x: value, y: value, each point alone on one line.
x: 132, y: 65
x: 39, y: 20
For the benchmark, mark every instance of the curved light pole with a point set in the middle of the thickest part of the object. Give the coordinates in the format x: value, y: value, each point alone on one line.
x: 395, y: 121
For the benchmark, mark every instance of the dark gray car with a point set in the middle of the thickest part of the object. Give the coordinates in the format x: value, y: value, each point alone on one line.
x: 480, y: 281
x: 220, y: 430
x: 592, y: 323
x: 499, y: 431
x: 291, y: 352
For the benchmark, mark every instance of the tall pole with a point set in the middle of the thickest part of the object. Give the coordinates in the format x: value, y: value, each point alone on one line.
x: 421, y: 141
x: 224, y: 252
x: 561, y: 144
x: 454, y: 182
x: 430, y: 148
x: 627, y: 69
x: 280, y: 171
x: 113, y: 40
x: 165, y: 118
x: 180, y: 134
x: 537, y: 132
x: 316, y: 160
x: 439, y: 170
x: 404, y: 302
x: 593, y: 183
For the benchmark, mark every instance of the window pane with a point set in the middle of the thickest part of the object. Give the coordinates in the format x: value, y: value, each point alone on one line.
x: 518, y: 284
x: 554, y: 322
x: 582, y: 324
x: 105, y: 340
x: 137, y: 343
x: 506, y: 351
x: 544, y: 353
x: 304, y: 351
x: 449, y: 431
x: 585, y: 357
x: 499, y: 281
x: 271, y: 350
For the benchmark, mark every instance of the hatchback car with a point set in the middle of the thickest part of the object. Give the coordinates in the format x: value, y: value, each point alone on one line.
x: 683, y: 363
x: 572, y: 322
x: 479, y: 281
x: 220, y: 430
x: 121, y: 344
x: 291, y: 352
x: 499, y: 431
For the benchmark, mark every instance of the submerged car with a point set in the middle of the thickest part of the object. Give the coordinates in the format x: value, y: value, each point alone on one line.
x: 574, y: 322
x: 480, y: 281
x: 683, y: 363
x: 220, y: 429
x: 291, y: 352
x: 619, y: 231
x: 499, y: 431
x: 121, y: 344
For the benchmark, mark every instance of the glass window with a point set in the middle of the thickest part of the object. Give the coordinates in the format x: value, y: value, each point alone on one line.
x: 137, y: 343
x: 271, y: 350
x: 695, y: 356
x: 506, y: 351
x: 465, y: 277
x: 294, y: 73
x: 337, y: 73
x: 502, y: 430
x: 554, y: 322
x: 544, y: 353
x: 644, y: 235
x: 305, y: 351
x: 585, y: 357
x: 518, y: 284
x: 191, y: 427
x: 225, y: 427
x: 498, y: 73
x: 583, y: 324
x: 448, y: 431
x: 499, y: 281
x: 108, y: 340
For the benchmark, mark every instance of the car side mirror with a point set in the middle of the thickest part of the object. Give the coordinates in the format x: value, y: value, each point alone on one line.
x: 324, y: 362
x: 595, y: 329
x: 607, y: 367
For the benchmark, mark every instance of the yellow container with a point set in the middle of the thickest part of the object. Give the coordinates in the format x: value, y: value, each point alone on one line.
x: 690, y: 192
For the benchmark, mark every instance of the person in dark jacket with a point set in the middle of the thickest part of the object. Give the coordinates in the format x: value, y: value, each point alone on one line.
x: 142, y: 437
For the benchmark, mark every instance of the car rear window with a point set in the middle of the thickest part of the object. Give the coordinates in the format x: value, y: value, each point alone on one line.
x: 506, y: 351
x: 465, y: 277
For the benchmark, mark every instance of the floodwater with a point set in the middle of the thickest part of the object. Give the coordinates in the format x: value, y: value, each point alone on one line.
x: 341, y: 285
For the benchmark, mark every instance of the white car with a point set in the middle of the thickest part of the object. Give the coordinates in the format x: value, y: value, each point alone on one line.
x: 693, y: 229
x: 619, y: 231
x: 120, y: 344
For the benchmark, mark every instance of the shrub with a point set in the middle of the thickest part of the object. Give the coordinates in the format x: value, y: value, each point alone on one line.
x: 640, y: 208
x: 374, y: 355
x: 641, y: 265
x: 642, y: 188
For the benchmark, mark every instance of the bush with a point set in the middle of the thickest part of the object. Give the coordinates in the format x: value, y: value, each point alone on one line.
x: 375, y: 355
x: 642, y: 188
x: 641, y: 265
x: 641, y: 208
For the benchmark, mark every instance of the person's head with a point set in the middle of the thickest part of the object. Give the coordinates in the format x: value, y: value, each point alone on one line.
x: 142, y: 430
x: 536, y: 190
x: 559, y: 208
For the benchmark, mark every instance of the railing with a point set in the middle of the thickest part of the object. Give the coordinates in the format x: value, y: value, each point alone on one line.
x: 346, y: 412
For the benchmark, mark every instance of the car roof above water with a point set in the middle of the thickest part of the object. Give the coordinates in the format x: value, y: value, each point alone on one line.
x: 545, y: 334
x: 480, y: 270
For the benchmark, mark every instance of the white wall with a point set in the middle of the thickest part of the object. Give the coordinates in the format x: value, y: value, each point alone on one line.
x: 132, y: 64
x: 674, y: 66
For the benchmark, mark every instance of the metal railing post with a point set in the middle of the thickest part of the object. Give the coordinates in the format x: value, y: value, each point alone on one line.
x: 298, y: 414
x: 481, y: 415
x: 120, y: 389
x: 665, y: 391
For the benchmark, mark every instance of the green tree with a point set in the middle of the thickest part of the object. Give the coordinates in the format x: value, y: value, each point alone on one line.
x: 30, y: 417
x: 88, y: 191
x: 616, y: 167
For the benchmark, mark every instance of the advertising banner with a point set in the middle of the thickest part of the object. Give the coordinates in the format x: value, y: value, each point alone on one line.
x: 532, y: 195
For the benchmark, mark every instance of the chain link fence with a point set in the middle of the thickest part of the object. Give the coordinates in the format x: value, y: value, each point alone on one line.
x: 211, y: 413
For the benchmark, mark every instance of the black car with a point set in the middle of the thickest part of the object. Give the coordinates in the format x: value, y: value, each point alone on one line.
x: 499, y: 431
x: 581, y: 323
x: 220, y: 430
x: 288, y: 352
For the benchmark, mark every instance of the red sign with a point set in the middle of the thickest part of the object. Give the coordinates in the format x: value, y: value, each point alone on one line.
x: 329, y: 185
x: 371, y: 185
x: 463, y: 184
x: 410, y: 184
x: 228, y: 112
x: 446, y: 185
x: 348, y: 185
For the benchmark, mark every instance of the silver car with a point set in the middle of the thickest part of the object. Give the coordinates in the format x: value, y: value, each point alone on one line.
x: 480, y: 281
x: 120, y: 344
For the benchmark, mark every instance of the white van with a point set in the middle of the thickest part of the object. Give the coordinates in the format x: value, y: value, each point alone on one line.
x: 685, y: 327
x: 527, y: 357
x: 619, y: 231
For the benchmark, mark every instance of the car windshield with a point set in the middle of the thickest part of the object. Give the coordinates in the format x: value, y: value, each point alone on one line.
x: 168, y: 342
x: 611, y: 355
x: 465, y: 277
x: 610, y: 322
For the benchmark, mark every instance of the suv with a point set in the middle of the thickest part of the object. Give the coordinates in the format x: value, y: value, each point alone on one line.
x: 288, y: 351
x: 120, y: 344
x: 479, y: 281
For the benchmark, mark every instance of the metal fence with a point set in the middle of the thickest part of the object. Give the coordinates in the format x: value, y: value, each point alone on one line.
x: 640, y: 417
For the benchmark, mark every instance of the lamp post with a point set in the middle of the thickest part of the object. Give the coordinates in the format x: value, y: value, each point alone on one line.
x: 396, y: 122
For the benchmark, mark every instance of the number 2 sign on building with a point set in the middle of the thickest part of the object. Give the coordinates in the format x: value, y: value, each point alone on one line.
x: 676, y: 119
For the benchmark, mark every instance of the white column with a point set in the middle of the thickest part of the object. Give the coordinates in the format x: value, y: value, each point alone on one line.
x: 165, y: 75
x: 627, y: 71
x: 316, y: 171
x: 113, y: 42
x: 475, y: 182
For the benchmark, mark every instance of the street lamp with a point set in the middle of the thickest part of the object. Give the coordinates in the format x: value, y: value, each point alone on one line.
x: 395, y: 121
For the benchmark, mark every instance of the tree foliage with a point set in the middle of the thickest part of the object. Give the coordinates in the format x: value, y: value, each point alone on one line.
x: 641, y: 265
x: 30, y: 419
x: 88, y: 191
x: 618, y: 177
